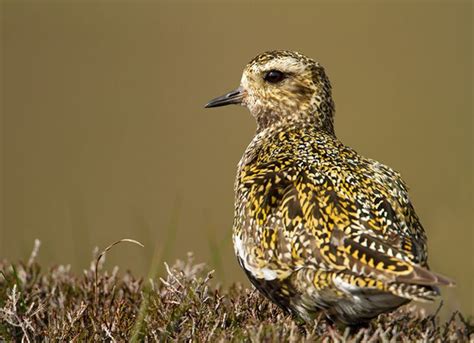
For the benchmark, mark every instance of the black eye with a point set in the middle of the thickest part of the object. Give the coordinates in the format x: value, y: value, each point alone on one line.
x: 274, y: 76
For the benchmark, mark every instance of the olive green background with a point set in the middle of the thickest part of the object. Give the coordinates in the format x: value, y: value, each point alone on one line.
x: 104, y: 135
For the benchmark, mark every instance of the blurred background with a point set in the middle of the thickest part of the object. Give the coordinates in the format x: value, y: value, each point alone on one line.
x: 104, y: 135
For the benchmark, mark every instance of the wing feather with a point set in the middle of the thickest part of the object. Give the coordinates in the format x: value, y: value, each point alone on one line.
x: 311, y: 217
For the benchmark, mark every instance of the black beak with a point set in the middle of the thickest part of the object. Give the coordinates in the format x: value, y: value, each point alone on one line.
x: 234, y: 97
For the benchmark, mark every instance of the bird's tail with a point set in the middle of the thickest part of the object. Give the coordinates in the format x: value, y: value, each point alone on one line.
x: 423, y: 276
x: 421, y: 285
x: 422, y: 293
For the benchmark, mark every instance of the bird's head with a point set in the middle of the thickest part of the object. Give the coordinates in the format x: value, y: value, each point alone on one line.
x: 280, y: 87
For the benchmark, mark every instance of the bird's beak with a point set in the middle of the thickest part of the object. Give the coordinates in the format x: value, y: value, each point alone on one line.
x: 234, y: 97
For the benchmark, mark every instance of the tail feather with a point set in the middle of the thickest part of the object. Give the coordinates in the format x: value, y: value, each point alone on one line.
x: 424, y: 277
x: 414, y: 292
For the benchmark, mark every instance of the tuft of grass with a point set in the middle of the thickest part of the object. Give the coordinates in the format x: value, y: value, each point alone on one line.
x: 97, y: 261
x: 158, y: 260
x: 183, y: 305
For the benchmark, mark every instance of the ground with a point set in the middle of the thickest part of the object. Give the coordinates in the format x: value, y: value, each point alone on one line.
x: 187, y: 304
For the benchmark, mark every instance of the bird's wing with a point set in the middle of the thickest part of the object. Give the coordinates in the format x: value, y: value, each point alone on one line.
x: 306, y: 216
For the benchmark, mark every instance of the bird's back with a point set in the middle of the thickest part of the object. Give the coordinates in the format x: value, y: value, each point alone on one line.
x: 318, y: 226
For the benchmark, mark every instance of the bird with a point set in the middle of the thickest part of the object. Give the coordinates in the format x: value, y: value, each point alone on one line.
x: 317, y: 227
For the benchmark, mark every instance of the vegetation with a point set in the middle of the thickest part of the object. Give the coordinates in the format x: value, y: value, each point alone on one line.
x: 184, y: 305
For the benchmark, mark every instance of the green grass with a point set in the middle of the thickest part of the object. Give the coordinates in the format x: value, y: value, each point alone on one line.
x: 183, y: 305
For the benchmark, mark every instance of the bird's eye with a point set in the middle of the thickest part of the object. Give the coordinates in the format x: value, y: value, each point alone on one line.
x: 274, y: 76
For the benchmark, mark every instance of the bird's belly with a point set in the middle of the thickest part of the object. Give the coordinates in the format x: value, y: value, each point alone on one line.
x: 299, y: 292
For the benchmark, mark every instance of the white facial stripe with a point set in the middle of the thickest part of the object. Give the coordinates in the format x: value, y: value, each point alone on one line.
x: 244, y: 82
x: 287, y: 64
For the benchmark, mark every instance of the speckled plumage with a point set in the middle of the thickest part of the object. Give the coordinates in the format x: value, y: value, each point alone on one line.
x: 317, y: 226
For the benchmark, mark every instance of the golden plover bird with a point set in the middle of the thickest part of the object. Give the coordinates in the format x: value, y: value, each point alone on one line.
x: 316, y: 225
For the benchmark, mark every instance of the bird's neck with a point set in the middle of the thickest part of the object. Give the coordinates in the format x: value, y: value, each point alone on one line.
x: 274, y: 121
